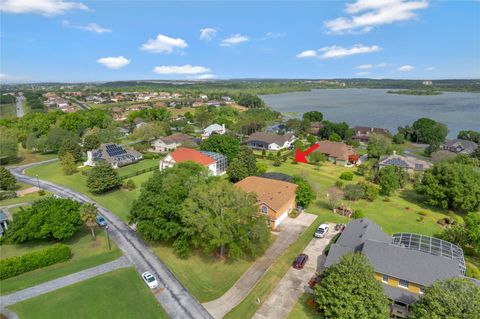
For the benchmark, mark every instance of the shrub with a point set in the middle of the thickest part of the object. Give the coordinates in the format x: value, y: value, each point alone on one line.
x: 277, y: 162
x: 14, y: 266
x: 386, y: 199
x: 347, y: 176
x: 353, y: 192
x: 370, y: 191
x: 472, y: 271
x: 41, y: 192
x: 7, y: 195
x: 339, y: 184
x: 130, y: 185
x: 358, y: 214
x: 422, y: 213
x: 420, y: 219
x: 270, y: 156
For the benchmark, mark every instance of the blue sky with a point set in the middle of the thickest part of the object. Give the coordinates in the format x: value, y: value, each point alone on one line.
x: 62, y: 40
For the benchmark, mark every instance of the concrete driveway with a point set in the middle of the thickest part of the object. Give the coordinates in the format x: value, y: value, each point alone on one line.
x: 290, y: 230
x: 292, y: 286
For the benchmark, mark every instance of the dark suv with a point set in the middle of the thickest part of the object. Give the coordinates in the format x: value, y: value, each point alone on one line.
x: 300, y: 261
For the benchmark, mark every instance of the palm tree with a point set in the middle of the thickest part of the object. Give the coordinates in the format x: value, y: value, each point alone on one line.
x: 89, y: 213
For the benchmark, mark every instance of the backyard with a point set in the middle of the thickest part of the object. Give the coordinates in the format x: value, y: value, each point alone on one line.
x: 119, y: 294
x: 86, y: 254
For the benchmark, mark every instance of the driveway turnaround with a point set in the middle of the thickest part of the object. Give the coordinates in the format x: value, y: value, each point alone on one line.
x: 58, y: 283
x: 291, y: 229
x: 174, y: 298
x: 292, y: 286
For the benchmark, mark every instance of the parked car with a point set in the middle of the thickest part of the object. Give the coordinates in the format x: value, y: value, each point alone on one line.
x: 150, y: 280
x: 321, y: 231
x: 300, y: 261
x: 101, y: 221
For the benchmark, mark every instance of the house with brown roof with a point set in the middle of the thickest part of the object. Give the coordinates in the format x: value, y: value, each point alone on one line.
x: 270, y: 141
x: 337, y: 152
x: 275, y: 198
x: 215, y: 163
x: 362, y: 133
x: 171, y: 142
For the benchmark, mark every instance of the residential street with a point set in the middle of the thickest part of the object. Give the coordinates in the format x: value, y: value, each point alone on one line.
x: 19, y: 106
x: 292, y: 228
x: 174, y: 298
x: 58, y: 283
x: 285, y: 295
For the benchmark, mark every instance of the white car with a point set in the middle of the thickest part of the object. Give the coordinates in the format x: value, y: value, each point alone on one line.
x: 321, y: 231
x: 150, y: 280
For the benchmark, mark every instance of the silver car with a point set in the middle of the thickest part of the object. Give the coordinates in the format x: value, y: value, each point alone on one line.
x: 321, y: 231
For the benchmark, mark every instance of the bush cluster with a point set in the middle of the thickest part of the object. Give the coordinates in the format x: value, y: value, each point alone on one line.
x: 14, y: 266
x: 346, y: 176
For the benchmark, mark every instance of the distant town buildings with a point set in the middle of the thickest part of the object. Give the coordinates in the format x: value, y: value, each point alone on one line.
x: 427, y: 83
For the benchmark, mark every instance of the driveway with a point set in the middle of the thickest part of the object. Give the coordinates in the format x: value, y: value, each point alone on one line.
x: 292, y: 286
x: 175, y: 299
x: 290, y: 230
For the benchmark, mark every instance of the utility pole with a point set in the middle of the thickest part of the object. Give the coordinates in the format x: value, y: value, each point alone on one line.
x: 108, y: 239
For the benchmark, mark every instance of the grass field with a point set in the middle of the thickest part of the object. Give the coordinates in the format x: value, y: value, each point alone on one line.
x: 7, y: 111
x: 86, y: 253
x: 119, y: 201
x: 204, y: 276
x: 120, y: 294
x: 24, y: 199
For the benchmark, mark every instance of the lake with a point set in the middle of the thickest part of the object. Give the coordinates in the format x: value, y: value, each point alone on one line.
x: 375, y: 107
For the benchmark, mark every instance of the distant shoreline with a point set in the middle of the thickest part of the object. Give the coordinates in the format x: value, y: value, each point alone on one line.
x: 415, y: 92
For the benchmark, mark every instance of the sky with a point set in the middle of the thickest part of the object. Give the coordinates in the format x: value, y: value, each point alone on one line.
x: 76, y: 41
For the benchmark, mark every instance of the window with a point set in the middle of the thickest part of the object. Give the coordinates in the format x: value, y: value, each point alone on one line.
x: 385, y: 278
x: 422, y: 289
x: 264, y: 209
x: 403, y: 283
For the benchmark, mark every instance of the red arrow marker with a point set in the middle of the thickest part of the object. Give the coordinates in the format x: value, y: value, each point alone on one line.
x: 301, y: 156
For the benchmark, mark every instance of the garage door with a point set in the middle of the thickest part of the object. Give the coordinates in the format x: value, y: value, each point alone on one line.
x: 281, y: 218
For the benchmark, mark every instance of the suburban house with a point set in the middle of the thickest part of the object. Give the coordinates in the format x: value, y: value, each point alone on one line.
x: 411, y: 164
x: 276, y: 128
x: 315, y: 128
x: 269, y: 141
x: 404, y: 263
x: 213, y: 129
x: 168, y: 143
x: 460, y: 146
x: 3, y: 222
x: 114, y: 154
x: 275, y: 198
x: 362, y: 133
x: 337, y: 152
x: 215, y: 163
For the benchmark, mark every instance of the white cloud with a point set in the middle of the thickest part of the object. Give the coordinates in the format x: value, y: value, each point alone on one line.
x: 233, y: 40
x: 273, y: 35
x: 362, y: 73
x: 163, y: 44
x: 180, y: 69
x: 112, y: 62
x: 381, y: 65
x: 430, y: 68
x: 405, y: 68
x: 207, y: 34
x: 364, y: 66
x: 92, y: 27
x: 44, y: 7
x: 336, y: 51
x: 307, y: 54
x: 372, y: 13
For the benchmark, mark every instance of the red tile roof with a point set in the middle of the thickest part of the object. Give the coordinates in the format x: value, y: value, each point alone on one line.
x: 183, y: 154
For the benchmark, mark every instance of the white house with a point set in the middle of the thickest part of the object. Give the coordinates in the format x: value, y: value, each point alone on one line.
x: 215, y: 163
x: 169, y: 143
x: 214, y: 128
x: 269, y: 141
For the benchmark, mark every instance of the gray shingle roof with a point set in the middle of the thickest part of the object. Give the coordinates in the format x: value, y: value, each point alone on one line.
x: 414, y: 266
x: 270, y: 138
x: 335, y: 254
x: 359, y: 230
x: 468, y: 147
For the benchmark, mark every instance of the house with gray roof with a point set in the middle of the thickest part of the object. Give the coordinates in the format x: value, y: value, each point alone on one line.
x: 409, y: 163
x: 269, y: 141
x: 213, y: 129
x: 113, y: 154
x: 459, y: 146
x: 404, y: 263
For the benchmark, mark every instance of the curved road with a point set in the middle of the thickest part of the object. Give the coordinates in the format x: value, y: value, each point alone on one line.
x: 172, y: 295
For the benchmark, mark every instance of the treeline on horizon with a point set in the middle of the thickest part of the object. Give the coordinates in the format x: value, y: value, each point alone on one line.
x: 259, y: 86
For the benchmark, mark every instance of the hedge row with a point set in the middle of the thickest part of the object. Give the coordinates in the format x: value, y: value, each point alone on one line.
x: 140, y: 172
x: 14, y: 266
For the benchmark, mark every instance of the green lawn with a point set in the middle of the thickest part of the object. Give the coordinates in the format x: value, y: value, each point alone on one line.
x: 86, y: 253
x: 398, y: 215
x: 7, y: 111
x: 301, y: 310
x: 204, y: 276
x: 119, y: 201
x: 23, y: 199
x: 120, y: 294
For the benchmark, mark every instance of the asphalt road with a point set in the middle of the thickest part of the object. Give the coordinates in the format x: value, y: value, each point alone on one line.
x: 19, y: 107
x: 172, y: 295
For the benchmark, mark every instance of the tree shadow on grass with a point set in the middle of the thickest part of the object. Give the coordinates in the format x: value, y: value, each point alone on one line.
x: 412, y: 197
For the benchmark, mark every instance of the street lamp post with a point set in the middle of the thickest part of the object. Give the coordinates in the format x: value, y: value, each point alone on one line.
x: 108, y: 238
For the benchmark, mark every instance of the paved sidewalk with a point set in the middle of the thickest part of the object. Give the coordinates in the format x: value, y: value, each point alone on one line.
x: 58, y: 283
x: 285, y: 295
x: 292, y: 228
